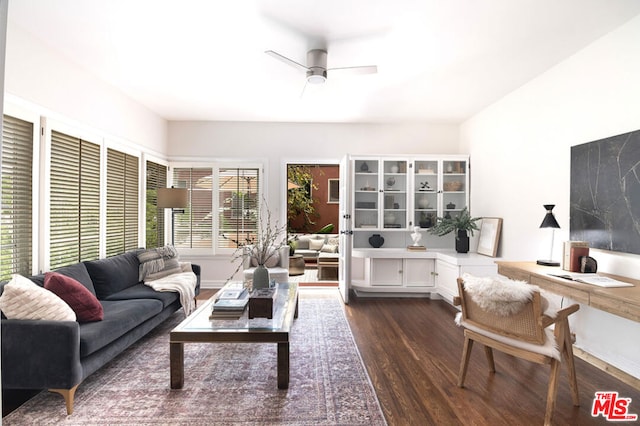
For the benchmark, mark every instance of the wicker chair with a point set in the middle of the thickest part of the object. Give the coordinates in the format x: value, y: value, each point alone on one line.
x: 521, y: 335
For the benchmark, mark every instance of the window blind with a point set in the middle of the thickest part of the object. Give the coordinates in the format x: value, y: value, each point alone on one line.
x: 122, y: 202
x: 74, y: 200
x: 194, y: 227
x: 238, y: 201
x: 156, y: 178
x: 16, y: 217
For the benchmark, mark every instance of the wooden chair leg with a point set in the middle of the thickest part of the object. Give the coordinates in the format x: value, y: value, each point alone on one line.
x: 567, y: 354
x: 552, y: 390
x: 68, y: 395
x: 489, y: 352
x: 466, y: 353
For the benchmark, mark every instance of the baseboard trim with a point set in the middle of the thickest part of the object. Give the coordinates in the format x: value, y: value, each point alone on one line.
x: 607, y: 368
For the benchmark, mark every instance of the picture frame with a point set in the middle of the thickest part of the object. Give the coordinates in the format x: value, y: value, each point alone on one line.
x: 334, y: 191
x: 489, y: 236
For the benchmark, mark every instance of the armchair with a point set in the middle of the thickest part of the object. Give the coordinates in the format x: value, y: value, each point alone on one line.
x: 520, y: 329
x: 278, y: 266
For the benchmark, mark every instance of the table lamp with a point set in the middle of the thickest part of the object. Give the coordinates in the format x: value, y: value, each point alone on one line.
x: 549, y: 221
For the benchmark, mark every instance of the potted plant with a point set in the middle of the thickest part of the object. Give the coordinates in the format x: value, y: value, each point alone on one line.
x: 461, y: 225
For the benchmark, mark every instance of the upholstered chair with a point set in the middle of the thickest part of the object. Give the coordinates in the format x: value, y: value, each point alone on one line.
x: 278, y: 265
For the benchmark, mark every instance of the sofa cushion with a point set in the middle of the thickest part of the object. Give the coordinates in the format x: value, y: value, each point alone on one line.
x: 78, y: 297
x: 119, y: 317
x: 24, y: 299
x: 142, y: 291
x: 329, y: 248
x: 76, y: 271
x: 114, y: 273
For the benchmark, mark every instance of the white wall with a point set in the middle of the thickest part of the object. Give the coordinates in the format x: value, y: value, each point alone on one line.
x: 277, y: 143
x: 520, y: 156
x: 55, y: 86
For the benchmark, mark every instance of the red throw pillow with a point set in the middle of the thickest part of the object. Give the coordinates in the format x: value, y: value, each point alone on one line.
x: 78, y: 297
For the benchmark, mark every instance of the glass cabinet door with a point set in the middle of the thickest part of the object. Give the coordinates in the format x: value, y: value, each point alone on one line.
x: 366, y: 194
x: 454, y: 190
x: 395, y: 203
x: 425, y: 193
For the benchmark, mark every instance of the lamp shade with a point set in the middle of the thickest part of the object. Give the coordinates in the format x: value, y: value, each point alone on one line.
x: 549, y: 220
x: 173, y: 197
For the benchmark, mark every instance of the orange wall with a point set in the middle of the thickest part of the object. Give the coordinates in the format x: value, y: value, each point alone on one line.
x: 328, y: 213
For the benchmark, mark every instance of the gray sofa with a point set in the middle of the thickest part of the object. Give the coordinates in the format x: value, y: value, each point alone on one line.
x: 59, y: 355
x: 313, y: 246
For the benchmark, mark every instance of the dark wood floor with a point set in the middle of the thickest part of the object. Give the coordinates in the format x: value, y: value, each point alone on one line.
x: 412, y: 349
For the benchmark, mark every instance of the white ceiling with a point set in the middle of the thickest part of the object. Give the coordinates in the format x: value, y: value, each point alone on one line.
x: 438, y: 60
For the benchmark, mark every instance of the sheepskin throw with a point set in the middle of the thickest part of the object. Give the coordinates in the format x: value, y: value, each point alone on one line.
x: 499, y: 295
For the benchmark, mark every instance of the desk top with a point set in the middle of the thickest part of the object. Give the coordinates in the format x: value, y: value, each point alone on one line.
x: 621, y: 301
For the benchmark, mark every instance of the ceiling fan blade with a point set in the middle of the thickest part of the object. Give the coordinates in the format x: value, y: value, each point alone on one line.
x: 286, y: 60
x: 361, y: 70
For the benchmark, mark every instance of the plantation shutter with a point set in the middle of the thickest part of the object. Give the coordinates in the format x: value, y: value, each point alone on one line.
x: 194, y: 227
x: 74, y: 200
x: 238, y: 198
x: 15, y: 221
x: 122, y: 202
x: 156, y: 178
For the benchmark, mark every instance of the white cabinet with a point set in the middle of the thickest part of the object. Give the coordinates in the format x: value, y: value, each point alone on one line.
x: 397, y: 271
x: 448, y: 269
x: 394, y: 194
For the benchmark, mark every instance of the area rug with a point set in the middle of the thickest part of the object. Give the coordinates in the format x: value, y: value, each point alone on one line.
x: 226, y: 384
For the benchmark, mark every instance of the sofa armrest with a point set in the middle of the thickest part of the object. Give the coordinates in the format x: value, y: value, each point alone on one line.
x: 40, y: 354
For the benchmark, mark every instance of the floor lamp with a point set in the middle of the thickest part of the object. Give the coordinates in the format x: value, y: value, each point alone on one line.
x: 549, y: 221
x: 175, y: 199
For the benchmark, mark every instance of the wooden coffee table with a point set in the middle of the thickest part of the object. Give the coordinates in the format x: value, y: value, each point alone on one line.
x: 198, y: 328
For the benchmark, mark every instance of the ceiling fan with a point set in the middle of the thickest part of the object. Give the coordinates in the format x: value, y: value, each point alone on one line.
x: 316, y: 67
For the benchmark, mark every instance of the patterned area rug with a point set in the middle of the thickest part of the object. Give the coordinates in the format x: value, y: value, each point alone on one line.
x: 226, y: 384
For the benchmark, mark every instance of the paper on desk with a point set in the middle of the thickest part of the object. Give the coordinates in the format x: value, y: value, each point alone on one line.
x: 594, y: 279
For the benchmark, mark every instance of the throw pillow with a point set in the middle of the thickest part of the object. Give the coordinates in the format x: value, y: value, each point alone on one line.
x: 329, y: 248
x: 334, y: 241
x: 24, y: 299
x: 158, y: 263
x: 316, y: 244
x: 78, y: 297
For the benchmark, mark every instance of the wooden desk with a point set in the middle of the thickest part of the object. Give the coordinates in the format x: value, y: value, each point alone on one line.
x: 621, y: 301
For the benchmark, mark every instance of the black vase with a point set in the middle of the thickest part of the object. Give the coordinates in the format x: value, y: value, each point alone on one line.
x: 376, y: 240
x: 462, y: 242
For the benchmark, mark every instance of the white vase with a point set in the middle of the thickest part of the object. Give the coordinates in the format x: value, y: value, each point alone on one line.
x: 260, y: 277
x: 423, y: 202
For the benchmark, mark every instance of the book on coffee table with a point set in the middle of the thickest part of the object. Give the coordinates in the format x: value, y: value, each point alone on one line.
x: 230, y: 304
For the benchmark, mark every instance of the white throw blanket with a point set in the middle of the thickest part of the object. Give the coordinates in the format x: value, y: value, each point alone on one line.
x: 184, y: 283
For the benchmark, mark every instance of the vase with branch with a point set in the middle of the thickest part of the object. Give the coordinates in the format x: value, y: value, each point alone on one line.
x: 260, y: 248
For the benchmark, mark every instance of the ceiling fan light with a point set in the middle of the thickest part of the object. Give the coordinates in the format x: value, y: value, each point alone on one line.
x: 316, y: 79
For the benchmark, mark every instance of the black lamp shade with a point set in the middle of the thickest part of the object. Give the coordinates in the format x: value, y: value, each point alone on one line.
x: 549, y: 220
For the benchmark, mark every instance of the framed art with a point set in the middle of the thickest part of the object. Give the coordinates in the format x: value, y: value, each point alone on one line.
x: 334, y: 191
x: 489, y: 236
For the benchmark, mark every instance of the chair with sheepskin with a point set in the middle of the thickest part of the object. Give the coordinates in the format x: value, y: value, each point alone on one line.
x: 514, y: 318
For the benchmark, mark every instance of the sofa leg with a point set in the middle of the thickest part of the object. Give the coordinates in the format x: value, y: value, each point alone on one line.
x: 68, y: 395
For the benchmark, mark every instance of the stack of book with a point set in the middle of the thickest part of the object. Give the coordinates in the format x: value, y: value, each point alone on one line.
x: 230, y: 304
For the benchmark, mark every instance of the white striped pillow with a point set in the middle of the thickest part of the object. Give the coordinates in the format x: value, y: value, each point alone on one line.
x: 24, y: 299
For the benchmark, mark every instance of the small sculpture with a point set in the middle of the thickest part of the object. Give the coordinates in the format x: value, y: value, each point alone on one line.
x: 416, y: 236
x: 424, y: 186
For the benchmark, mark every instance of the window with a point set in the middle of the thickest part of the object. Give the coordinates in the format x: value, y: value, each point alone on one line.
x: 193, y: 228
x: 122, y: 202
x: 74, y: 200
x: 238, y: 201
x: 232, y: 192
x: 17, y: 195
x: 156, y: 178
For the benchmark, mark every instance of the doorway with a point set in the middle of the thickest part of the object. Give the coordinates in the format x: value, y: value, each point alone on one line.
x: 312, y: 206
